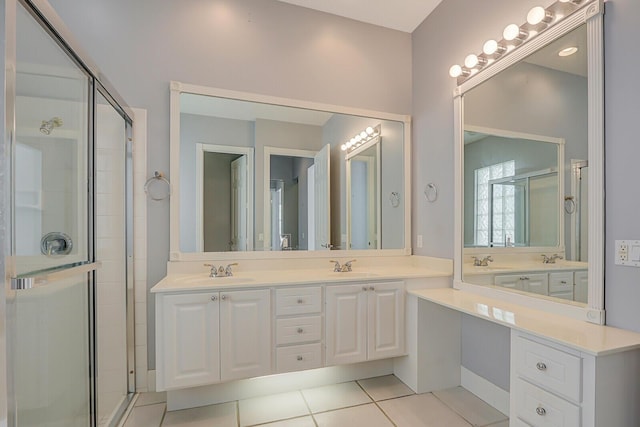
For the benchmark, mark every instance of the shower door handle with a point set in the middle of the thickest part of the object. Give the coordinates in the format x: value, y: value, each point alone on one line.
x: 21, y: 283
x: 43, y: 278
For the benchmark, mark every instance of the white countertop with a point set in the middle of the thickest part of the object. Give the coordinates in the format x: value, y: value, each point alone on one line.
x: 516, y: 267
x: 258, y: 278
x: 583, y: 336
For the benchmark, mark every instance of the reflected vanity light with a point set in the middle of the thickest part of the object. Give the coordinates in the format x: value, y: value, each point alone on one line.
x: 362, y: 138
x: 539, y: 17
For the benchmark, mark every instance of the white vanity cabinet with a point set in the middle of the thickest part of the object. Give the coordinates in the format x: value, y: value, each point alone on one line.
x: 298, y: 328
x: 529, y: 282
x: 552, y: 384
x: 245, y: 334
x: 188, y: 340
x: 208, y: 337
x: 364, y: 322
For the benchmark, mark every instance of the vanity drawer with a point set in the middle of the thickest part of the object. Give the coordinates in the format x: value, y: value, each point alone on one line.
x: 560, y: 282
x: 298, y: 329
x: 553, y: 369
x: 298, y: 300
x: 537, y: 407
x: 298, y: 357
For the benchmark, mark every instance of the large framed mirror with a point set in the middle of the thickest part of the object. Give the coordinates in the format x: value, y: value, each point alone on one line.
x: 529, y: 168
x: 255, y: 176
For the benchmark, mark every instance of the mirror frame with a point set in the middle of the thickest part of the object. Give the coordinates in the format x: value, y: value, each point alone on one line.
x: 591, y: 14
x: 177, y: 88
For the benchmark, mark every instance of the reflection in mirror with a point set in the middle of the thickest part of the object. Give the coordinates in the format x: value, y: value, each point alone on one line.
x: 523, y: 205
x: 363, y: 193
x: 292, y: 157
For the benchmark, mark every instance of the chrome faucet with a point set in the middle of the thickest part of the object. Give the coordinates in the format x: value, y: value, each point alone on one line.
x: 221, y: 271
x: 346, y: 267
x: 484, y: 262
x: 550, y: 259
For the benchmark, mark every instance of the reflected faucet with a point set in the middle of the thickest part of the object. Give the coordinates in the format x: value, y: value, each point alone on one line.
x: 550, y: 259
x: 484, y: 262
x: 344, y: 268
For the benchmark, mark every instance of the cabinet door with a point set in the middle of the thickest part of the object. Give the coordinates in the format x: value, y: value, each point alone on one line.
x: 511, y: 281
x: 245, y: 334
x: 385, y: 337
x: 346, y: 313
x: 581, y: 289
x: 190, y: 340
x: 536, y: 283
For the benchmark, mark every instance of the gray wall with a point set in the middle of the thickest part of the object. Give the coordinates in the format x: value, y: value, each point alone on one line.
x: 260, y: 46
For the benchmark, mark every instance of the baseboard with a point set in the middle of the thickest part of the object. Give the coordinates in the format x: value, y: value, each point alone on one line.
x: 151, y: 380
x: 485, y: 390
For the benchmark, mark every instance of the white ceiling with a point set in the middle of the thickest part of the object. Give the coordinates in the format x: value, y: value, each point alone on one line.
x: 402, y: 15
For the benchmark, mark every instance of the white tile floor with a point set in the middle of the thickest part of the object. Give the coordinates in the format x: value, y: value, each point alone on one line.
x: 382, y: 401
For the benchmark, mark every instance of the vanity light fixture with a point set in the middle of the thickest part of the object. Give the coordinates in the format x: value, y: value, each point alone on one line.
x: 568, y: 51
x: 538, y: 20
x: 538, y: 15
x: 362, y: 138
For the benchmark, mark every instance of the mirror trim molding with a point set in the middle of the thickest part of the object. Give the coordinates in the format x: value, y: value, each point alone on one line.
x: 177, y: 88
x: 591, y: 14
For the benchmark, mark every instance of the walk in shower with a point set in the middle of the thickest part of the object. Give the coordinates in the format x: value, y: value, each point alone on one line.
x: 69, y: 303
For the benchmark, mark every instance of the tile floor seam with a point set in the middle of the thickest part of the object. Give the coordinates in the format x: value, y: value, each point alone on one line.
x: 376, y: 403
x: 308, y: 407
x: 237, y: 412
x: 454, y: 411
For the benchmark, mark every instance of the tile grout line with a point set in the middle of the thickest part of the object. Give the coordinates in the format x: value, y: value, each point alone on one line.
x: 376, y: 403
x: 309, y: 408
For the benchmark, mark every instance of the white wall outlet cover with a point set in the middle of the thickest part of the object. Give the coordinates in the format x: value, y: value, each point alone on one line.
x: 628, y: 253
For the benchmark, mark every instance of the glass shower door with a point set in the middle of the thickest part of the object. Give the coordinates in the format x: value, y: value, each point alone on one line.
x: 49, y: 306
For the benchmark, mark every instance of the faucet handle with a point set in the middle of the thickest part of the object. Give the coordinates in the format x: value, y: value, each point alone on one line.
x: 336, y: 266
x: 488, y: 258
x: 545, y: 259
x: 347, y: 264
x: 476, y: 261
x: 214, y: 270
x: 228, y: 271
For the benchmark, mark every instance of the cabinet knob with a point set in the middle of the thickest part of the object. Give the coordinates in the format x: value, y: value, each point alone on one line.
x: 300, y: 301
x: 223, y: 297
x: 371, y: 288
x: 299, y: 358
x: 214, y: 298
x: 541, y: 366
x: 541, y: 411
x: 300, y: 330
x: 364, y: 288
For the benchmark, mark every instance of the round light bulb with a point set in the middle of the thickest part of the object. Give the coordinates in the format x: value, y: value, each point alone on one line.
x: 490, y: 47
x: 455, y: 71
x: 511, y: 32
x: 369, y: 130
x: 343, y: 147
x: 568, y: 51
x: 358, y: 138
x: 539, y: 14
x: 471, y: 61
x: 363, y: 135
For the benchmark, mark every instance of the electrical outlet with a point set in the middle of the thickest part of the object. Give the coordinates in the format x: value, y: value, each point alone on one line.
x: 628, y: 253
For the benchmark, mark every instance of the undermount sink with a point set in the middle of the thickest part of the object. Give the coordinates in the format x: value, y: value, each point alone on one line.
x: 352, y: 274
x: 206, y: 280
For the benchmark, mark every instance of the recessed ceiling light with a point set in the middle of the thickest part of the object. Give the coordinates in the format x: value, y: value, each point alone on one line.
x: 568, y: 51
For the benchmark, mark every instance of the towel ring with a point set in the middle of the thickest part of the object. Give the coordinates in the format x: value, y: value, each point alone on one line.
x: 431, y: 192
x: 569, y: 204
x: 158, y: 177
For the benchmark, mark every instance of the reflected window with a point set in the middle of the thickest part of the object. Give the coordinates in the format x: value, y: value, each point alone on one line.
x: 502, y: 205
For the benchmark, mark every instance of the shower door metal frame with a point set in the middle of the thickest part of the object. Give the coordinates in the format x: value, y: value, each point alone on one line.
x: 46, y: 16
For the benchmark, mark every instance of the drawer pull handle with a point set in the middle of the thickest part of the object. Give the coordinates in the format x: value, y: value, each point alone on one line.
x: 300, y: 301
x: 214, y: 298
x: 299, y: 358
x: 541, y: 411
x: 300, y: 330
x: 541, y: 366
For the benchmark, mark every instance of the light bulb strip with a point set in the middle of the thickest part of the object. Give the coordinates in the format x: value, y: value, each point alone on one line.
x: 362, y: 138
x: 538, y: 20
